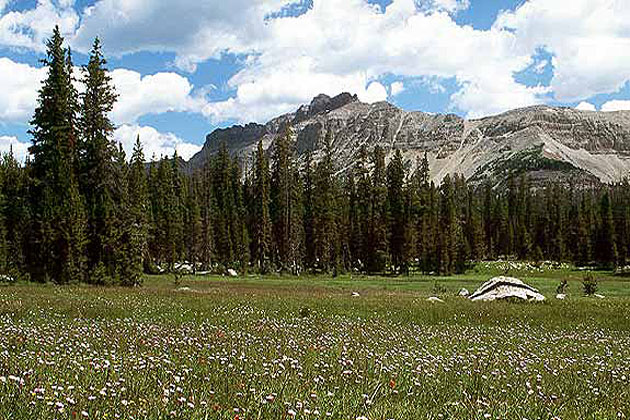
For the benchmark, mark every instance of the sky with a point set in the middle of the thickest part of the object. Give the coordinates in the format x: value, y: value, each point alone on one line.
x: 183, y: 68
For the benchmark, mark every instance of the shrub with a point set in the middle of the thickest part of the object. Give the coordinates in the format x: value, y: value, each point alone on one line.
x: 562, y: 287
x: 589, y: 284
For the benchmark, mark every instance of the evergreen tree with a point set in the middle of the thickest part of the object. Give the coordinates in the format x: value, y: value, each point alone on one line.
x: 56, y: 250
x: 324, y: 212
x: 262, y: 220
x: 138, y: 215
x: 606, y: 246
x: 396, y: 208
x: 377, y: 241
x: 285, y: 206
x: 97, y: 165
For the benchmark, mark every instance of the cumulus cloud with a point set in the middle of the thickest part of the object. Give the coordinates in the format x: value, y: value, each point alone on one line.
x: 31, y: 27
x: 450, y: 6
x: 19, y: 149
x: 151, y: 94
x: 195, y: 30
x: 336, y: 46
x: 616, y: 105
x: 18, y: 95
x: 154, y: 143
x: 333, y: 46
x: 588, y: 41
x: 138, y: 95
x: 586, y: 106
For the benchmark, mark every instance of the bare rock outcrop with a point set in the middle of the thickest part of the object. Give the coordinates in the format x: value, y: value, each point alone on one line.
x: 505, y: 288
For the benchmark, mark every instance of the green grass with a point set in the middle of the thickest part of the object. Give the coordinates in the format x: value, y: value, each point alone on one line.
x: 283, y: 347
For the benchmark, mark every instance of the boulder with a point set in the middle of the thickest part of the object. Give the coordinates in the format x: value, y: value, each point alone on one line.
x: 598, y: 296
x: 435, y: 299
x: 355, y: 294
x: 561, y: 296
x: 463, y: 292
x: 232, y: 273
x: 504, y: 288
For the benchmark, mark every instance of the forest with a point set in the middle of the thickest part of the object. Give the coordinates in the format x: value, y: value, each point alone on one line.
x: 79, y: 210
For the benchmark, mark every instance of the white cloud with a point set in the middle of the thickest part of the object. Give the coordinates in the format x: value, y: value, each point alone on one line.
x: 18, y: 95
x: 347, y: 45
x: 151, y: 94
x: 450, y: 6
x: 375, y: 92
x: 337, y: 46
x: 616, y: 105
x: 196, y: 30
x: 20, y: 150
x: 397, y: 88
x: 586, y: 106
x: 31, y: 27
x: 138, y: 95
x: 588, y: 41
x: 154, y: 143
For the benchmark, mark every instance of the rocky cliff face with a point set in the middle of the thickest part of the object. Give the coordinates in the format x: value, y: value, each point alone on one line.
x: 544, y: 142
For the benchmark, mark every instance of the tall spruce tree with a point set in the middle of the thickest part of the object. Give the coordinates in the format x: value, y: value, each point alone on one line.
x: 56, y: 251
x: 396, y: 210
x: 606, y: 246
x: 262, y: 219
x: 98, y: 171
x: 286, y: 213
x: 138, y: 215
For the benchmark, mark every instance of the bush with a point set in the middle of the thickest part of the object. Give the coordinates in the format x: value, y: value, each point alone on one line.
x: 562, y: 287
x: 589, y: 284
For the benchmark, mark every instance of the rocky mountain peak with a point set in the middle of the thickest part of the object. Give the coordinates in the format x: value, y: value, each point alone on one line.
x: 547, y: 143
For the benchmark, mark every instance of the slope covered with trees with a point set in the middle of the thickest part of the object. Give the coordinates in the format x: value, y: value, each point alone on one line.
x: 79, y: 211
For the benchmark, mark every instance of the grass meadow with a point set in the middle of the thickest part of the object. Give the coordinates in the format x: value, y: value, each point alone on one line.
x: 289, y: 348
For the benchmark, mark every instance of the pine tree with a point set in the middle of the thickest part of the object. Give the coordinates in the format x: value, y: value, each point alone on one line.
x: 97, y: 152
x: 308, y: 209
x: 262, y: 224
x: 286, y: 213
x: 447, y: 240
x: 377, y: 248
x: 138, y: 215
x: 396, y: 210
x: 56, y: 251
x: 363, y: 197
x: 324, y: 212
x: 606, y: 246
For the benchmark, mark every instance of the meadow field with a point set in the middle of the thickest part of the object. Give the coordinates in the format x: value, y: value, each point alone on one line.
x: 285, y: 348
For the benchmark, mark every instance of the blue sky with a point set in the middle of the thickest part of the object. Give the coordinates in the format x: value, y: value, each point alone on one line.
x: 183, y: 68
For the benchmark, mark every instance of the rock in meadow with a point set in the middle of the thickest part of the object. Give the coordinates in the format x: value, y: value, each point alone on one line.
x: 561, y: 296
x: 435, y: 299
x: 232, y: 273
x: 463, y: 292
x: 502, y: 287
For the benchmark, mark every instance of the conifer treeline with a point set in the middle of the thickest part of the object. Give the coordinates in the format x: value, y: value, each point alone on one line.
x: 291, y: 215
x: 80, y: 212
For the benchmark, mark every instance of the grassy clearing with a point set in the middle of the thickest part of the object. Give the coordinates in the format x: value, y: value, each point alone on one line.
x: 278, y: 348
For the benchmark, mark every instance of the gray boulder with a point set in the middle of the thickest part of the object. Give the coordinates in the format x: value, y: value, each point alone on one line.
x: 463, y: 292
x: 504, y: 288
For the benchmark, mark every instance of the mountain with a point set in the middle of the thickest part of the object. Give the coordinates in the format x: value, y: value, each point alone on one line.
x: 547, y: 143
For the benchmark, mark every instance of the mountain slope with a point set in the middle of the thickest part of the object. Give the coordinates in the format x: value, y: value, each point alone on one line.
x: 544, y: 142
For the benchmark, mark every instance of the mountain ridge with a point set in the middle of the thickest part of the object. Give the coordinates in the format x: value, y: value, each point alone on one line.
x: 542, y: 141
